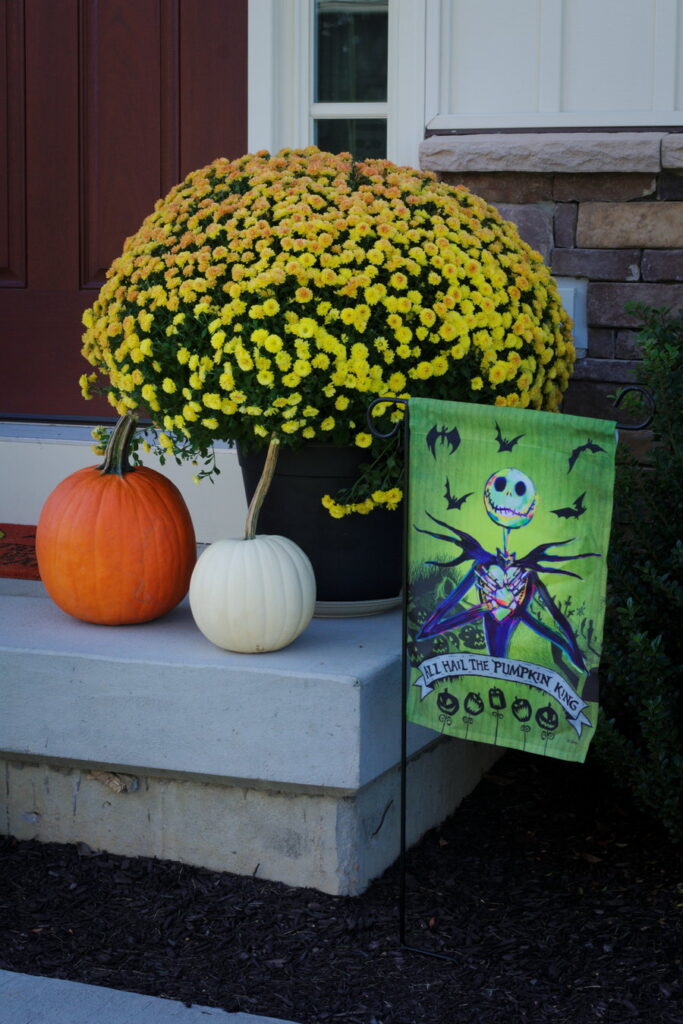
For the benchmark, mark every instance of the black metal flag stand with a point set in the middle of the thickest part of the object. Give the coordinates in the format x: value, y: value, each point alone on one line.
x: 647, y: 395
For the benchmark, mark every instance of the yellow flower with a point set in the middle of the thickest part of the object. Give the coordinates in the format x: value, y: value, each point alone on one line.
x: 423, y: 371
x: 302, y: 367
x: 273, y: 343
x: 336, y: 511
x: 363, y: 440
x: 86, y: 380
x: 498, y: 372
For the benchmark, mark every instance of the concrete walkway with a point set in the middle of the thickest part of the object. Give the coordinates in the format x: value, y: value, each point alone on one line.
x: 25, y: 999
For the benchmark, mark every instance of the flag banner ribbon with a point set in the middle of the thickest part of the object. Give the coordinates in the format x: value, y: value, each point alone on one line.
x: 508, y: 528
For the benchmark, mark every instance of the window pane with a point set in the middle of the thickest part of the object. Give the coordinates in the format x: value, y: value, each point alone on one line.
x: 351, y: 51
x: 362, y: 137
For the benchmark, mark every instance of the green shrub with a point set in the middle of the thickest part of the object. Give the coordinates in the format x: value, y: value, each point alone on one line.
x: 640, y: 738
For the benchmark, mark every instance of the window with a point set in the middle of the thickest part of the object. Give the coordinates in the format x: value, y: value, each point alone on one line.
x: 350, y: 69
x: 341, y: 74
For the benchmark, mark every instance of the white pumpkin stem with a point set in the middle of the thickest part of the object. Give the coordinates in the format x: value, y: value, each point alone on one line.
x: 261, y: 488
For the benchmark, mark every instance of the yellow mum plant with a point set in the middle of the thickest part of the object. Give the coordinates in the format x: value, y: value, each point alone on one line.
x: 278, y: 295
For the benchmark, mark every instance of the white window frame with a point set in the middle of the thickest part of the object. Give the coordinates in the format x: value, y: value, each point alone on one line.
x: 281, y: 111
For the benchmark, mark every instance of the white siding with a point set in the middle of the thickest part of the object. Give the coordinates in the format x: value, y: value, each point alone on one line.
x: 486, y: 41
x: 554, y: 63
x: 608, y: 55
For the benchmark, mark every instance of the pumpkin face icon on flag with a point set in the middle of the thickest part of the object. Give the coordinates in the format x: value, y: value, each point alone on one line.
x: 508, y: 526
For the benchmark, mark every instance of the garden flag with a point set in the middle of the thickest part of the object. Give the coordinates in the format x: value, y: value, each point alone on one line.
x: 508, y: 526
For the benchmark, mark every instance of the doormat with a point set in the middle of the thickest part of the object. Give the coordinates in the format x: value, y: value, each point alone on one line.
x: 18, y: 552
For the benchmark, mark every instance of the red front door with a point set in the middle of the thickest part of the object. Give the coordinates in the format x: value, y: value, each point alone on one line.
x: 108, y: 104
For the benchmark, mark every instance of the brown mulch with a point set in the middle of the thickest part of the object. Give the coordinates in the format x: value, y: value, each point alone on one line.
x: 559, y: 902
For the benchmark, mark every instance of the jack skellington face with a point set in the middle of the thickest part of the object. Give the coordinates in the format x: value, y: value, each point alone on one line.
x: 510, y: 498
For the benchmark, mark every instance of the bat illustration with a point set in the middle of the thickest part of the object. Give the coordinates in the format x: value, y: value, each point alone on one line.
x: 589, y: 446
x: 446, y: 436
x: 506, y: 444
x: 573, y: 511
x: 455, y: 502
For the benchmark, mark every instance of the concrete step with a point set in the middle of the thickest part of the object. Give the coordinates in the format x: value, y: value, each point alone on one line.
x: 28, y: 999
x: 148, y: 740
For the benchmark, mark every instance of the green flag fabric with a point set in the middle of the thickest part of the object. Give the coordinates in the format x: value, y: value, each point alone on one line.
x: 508, y: 527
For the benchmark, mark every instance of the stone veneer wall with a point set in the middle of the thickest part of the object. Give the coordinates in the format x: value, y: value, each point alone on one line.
x: 604, y: 206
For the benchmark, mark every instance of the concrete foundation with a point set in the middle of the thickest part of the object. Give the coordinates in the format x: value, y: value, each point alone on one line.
x: 148, y: 740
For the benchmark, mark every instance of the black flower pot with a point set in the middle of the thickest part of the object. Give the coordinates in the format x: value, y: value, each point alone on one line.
x: 356, y: 558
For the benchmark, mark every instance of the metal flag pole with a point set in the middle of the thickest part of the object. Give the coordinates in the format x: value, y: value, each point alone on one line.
x: 404, y: 669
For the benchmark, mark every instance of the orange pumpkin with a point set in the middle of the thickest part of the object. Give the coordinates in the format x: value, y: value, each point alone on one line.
x: 115, y: 544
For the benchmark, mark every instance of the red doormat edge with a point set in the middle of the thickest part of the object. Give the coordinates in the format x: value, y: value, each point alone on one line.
x: 18, y: 552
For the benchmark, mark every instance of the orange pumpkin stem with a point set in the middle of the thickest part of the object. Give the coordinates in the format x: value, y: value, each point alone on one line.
x: 261, y: 488
x: 116, y: 456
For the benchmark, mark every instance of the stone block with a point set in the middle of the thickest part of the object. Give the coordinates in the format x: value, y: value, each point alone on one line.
x: 601, y: 343
x: 625, y: 225
x: 597, y: 264
x: 627, y: 345
x: 663, y: 264
x: 544, y: 152
x: 638, y: 442
x: 590, y: 398
x: 564, y: 225
x: 672, y: 151
x: 602, y: 187
x: 618, y: 371
x: 535, y: 224
x: 505, y: 188
x: 670, y: 185
x: 606, y: 302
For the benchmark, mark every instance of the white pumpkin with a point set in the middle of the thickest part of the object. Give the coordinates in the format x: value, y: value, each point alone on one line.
x: 252, y: 594
x: 255, y: 593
